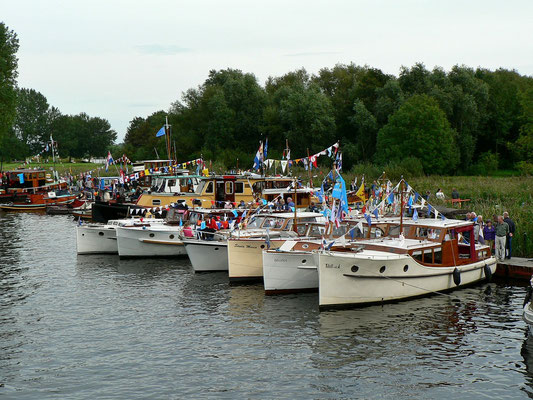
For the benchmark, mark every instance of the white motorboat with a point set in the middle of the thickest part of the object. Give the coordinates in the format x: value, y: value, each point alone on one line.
x: 435, y: 256
x: 293, y: 267
x: 159, y: 240
x: 245, y: 260
x: 286, y: 270
x: 102, y: 238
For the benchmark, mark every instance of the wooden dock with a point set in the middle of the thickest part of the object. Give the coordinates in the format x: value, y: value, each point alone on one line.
x: 515, y: 268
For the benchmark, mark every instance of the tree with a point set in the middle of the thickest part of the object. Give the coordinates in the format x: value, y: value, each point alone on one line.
x: 34, y: 119
x: 9, y: 46
x: 307, y: 118
x: 419, y: 129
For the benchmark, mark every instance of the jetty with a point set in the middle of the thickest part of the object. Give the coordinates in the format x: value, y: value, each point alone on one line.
x: 515, y: 268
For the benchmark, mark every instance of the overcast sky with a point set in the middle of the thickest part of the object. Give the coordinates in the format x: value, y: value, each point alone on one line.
x: 122, y: 59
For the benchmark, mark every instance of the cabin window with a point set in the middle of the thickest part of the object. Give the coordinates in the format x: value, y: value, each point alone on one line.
x: 417, y: 255
x: 317, y: 231
x: 209, y: 188
x: 437, y: 255
x: 340, y: 231
x: 239, y: 187
x: 229, y: 187
x: 301, y: 229
x: 171, y: 183
x: 156, y: 202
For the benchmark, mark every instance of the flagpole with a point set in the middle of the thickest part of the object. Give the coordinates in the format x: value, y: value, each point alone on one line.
x: 167, y: 134
x: 309, y: 169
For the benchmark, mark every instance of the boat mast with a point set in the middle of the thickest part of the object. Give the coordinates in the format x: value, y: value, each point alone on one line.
x: 167, y: 131
x: 309, y: 169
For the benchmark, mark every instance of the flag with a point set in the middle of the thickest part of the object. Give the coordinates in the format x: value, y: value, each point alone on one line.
x: 442, y: 216
x: 265, y: 149
x: 258, y: 160
x: 21, y: 178
x: 108, y: 161
x: 161, y: 132
x: 369, y: 220
x: 375, y: 212
x: 415, y: 215
x: 361, y: 192
x: 352, y: 233
x: 360, y: 226
x: 429, y: 210
x: 390, y: 199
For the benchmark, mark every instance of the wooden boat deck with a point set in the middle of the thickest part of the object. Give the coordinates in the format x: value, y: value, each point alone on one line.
x: 515, y: 268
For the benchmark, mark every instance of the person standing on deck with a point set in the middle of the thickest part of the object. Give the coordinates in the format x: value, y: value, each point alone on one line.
x: 489, y: 233
x: 512, y: 228
x: 502, y: 230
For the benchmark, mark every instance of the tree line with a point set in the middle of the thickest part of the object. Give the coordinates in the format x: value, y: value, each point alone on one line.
x: 462, y: 121
x: 27, y: 120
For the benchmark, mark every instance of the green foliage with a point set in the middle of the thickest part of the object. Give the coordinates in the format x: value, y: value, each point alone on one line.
x: 487, y: 164
x: 8, y: 82
x: 419, y: 129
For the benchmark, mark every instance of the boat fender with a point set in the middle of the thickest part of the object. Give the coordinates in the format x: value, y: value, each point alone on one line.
x: 488, y: 272
x: 456, y: 277
x: 527, y: 299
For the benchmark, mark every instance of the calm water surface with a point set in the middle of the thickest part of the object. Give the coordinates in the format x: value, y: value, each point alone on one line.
x: 81, y: 327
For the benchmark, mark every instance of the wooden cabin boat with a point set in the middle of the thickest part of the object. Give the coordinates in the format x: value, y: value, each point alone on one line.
x: 429, y: 256
x: 17, y: 185
x: 39, y: 201
x: 217, y: 190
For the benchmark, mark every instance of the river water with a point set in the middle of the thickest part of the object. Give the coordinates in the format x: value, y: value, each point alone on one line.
x: 87, y: 327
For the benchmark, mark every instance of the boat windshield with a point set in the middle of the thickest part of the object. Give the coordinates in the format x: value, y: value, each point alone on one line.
x: 255, y: 222
x: 300, y: 221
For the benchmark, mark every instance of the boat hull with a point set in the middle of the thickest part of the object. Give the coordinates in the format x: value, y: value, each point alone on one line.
x: 91, y: 239
x: 363, y: 279
x: 207, y: 255
x: 290, y: 271
x: 245, y: 258
x: 139, y: 242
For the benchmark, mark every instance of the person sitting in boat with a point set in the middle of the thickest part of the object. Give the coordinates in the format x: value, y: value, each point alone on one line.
x: 242, y: 205
x: 290, y: 204
x: 312, y: 207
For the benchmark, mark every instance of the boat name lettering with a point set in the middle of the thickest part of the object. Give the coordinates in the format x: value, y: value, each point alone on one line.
x: 333, y: 266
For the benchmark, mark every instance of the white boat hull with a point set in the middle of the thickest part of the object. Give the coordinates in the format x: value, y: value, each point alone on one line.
x: 245, y: 258
x: 155, y: 242
x: 289, y: 271
x: 207, y: 255
x: 96, y: 239
x: 369, y: 277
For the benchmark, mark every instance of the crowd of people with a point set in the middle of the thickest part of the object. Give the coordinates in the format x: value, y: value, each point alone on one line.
x: 497, y: 233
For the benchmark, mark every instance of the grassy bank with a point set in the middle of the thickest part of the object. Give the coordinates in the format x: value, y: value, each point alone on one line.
x: 66, y: 167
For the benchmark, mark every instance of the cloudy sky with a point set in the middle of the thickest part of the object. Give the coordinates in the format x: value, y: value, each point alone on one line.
x: 121, y: 59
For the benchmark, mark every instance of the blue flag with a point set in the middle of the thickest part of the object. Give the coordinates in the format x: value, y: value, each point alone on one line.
x: 391, y: 198
x: 161, y: 132
x: 429, y: 210
x: 415, y: 215
x: 352, y: 233
x: 368, y: 219
x: 265, y: 149
x: 235, y: 213
x: 21, y: 178
x: 375, y: 212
